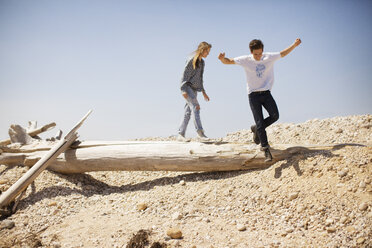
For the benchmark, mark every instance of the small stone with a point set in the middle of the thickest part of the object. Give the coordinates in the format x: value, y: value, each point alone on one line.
x: 329, y: 222
x: 142, y: 206
x: 362, y: 185
x: 7, y: 224
x: 343, y: 220
x: 174, y: 233
x: 206, y: 220
x: 363, y: 206
x: 53, y: 203
x: 182, y: 182
x: 241, y: 227
x: 342, y: 173
x: 176, y: 216
x: 360, y: 240
x: 301, y: 208
x: 331, y: 229
x: 339, y: 130
x: 3, y: 181
x: 293, y: 196
x: 270, y: 200
x: 350, y: 229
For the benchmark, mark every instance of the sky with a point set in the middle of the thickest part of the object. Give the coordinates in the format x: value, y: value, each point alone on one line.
x: 124, y: 60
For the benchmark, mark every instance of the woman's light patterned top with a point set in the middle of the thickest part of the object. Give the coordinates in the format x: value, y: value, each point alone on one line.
x: 191, y: 77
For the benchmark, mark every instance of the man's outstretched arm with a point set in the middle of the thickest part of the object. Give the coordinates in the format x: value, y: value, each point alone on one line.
x: 289, y: 49
x: 225, y: 60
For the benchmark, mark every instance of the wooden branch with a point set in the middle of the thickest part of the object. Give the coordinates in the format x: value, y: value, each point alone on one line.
x: 42, y: 164
x: 33, y: 133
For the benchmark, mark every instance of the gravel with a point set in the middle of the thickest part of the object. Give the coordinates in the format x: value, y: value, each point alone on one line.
x: 317, y: 199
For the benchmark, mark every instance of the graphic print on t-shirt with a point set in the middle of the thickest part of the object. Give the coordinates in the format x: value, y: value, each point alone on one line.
x: 260, y: 69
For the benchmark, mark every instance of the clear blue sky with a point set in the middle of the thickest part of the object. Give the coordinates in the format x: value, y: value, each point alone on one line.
x: 124, y: 60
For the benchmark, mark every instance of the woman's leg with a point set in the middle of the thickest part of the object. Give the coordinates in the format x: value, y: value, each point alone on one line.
x: 185, y: 120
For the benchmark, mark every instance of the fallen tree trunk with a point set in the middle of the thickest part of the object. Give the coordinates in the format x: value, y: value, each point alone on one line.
x: 164, y: 156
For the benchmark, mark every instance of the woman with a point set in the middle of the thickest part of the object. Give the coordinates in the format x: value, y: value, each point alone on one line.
x: 192, y: 82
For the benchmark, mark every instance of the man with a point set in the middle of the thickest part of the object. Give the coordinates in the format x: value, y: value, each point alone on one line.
x: 259, y: 69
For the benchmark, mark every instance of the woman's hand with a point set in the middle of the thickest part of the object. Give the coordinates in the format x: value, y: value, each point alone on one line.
x: 184, y: 94
x: 206, y: 97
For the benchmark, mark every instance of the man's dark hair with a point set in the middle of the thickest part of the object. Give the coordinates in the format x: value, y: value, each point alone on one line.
x: 256, y: 44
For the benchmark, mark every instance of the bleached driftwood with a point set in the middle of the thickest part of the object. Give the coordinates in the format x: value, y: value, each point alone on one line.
x: 43, y: 163
x: 32, y: 133
x: 164, y: 156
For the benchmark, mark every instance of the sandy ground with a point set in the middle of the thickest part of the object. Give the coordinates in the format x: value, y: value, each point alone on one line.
x: 317, y: 199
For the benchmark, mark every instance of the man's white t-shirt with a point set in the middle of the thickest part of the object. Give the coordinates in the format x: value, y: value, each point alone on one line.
x: 260, y: 74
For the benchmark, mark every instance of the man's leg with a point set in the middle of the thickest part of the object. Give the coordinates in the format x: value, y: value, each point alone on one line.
x: 256, y: 107
x: 271, y: 107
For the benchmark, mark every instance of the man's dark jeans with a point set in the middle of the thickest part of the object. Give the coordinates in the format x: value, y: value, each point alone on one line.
x: 260, y: 99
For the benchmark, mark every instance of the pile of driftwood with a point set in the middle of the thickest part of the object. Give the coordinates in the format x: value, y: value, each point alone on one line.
x: 66, y: 155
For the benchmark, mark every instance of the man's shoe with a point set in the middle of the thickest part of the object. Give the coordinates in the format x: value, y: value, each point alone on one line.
x: 268, y: 156
x: 256, y: 139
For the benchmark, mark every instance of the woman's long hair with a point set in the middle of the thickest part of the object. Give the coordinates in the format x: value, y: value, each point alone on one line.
x: 197, y: 54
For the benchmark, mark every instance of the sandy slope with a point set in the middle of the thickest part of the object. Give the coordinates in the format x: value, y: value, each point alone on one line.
x: 319, y: 199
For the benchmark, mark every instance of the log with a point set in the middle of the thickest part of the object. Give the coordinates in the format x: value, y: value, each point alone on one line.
x: 32, y: 133
x: 168, y: 156
x: 42, y: 164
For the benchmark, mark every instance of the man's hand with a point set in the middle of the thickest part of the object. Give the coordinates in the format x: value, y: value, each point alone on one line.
x: 297, y: 42
x: 225, y: 60
x: 206, y: 97
x: 221, y: 56
x: 289, y: 49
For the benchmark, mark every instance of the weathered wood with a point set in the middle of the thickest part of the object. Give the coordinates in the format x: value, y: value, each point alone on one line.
x: 42, y: 164
x: 167, y: 156
x: 33, y: 133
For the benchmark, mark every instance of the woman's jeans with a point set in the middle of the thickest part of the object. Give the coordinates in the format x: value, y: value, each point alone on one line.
x: 190, y: 108
x: 256, y: 101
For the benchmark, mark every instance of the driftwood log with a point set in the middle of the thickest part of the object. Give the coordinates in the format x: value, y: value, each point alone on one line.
x: 32, y: 133
x: 157, y: 156
x: 41, y: 164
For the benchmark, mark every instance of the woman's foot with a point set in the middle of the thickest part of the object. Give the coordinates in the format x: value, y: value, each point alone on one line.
x: 181, y: 138
x: 202, y: 136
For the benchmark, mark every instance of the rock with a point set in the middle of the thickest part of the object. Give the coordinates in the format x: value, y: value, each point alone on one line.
x: 6, y: 224
x: 293, y: 196
x: 363, y: 206
x: 350, y: 229
x: 343, y: 220
x: 182, y: 182
x: 342, y: 173
x: 270, y: 200
x: 329, y: 222
x: 142, y: 206
x: 241, y: 227
x: 53, y: 203
x: 362, y: 185
x: 360, y: 240
x: 331, y: 229
x: 339, y: 130
x: 176, y: 216
x: 174, y: 233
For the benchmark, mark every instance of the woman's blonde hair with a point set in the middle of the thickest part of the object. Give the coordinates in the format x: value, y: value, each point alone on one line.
x: 197, y: 54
